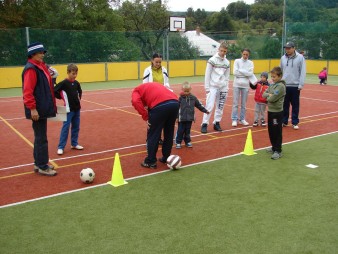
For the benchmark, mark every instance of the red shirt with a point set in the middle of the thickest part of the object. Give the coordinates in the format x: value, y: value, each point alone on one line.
x: 149, y: 95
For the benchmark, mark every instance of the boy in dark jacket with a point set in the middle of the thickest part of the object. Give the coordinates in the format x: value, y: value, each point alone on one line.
x: 70, y: 91
x: 186, y: 115
x: 261, y: 103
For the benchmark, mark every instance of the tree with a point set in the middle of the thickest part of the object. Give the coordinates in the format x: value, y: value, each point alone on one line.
x: 11, y: 14
x: 94, y: 15
x: 219, y: 21
x: 149, y: 19
x: 270, y: 48
x: 269, y: 11
x: 238, y: 10
x: 181, y: 49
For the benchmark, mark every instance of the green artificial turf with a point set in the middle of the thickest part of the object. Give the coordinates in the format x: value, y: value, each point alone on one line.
x: 241, y: 204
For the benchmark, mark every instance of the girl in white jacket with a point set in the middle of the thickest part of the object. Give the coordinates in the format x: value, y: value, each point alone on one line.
x: 156, y: 72
x: 244, y: 75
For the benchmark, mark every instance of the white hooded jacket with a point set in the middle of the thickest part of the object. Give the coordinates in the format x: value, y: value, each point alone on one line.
x: 217, y: 73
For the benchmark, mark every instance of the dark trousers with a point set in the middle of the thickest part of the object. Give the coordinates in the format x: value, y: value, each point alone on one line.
x: 163, y: 116
x: 322, y: 81
x: 40, y: 151
x: 291, y: 97
x: 275, y: 127
x: 183, y: 132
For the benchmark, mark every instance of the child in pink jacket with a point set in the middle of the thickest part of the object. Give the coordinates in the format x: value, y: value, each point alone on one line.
x: 322, y: 76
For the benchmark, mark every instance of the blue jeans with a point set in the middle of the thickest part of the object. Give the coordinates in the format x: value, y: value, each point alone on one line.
x: 243, y: 93
x: 40, y: 151
x: 73, y: 118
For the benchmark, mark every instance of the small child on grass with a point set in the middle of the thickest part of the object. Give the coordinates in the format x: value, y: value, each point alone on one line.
x: 260, y: 106
x: 275, y: 95
x: 186, y: 115
x: 70, y: 91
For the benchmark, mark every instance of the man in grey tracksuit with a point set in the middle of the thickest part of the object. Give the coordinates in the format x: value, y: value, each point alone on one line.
x: 294, y: 72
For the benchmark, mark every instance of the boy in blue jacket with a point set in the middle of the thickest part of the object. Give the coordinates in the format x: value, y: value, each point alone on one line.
x: 186, y: 115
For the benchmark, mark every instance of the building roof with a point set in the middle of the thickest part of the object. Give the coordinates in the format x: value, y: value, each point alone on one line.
x: 206, y: 45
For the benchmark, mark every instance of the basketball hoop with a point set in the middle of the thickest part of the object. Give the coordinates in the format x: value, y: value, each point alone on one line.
x: 177, y: 24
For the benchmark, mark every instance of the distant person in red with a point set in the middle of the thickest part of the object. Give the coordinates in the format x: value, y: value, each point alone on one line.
x: 159, y: 107
x: 322, y: 76
x: 39, y: 102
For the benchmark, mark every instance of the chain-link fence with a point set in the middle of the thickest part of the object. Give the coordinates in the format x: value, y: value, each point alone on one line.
x: 318, y: 40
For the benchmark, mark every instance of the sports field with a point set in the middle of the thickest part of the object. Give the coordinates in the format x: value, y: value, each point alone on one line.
x: 220, y: 202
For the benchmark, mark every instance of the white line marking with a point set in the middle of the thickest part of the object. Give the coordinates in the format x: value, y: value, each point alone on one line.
x: 151, y: 174
x: 139, y: 145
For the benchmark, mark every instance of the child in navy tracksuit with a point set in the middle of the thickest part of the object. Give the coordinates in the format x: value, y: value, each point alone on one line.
x: 186, y: 115
x: 261, y: 102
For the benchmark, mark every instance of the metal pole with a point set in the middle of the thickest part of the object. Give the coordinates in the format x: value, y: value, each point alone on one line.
x: 168, y: 51
x: 27, y: 35
x: 284, y: 28
x: 163, y: 47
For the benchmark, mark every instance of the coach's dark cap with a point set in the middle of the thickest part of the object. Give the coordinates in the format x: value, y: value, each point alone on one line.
x: 289, y: 44
x: 35, y: 48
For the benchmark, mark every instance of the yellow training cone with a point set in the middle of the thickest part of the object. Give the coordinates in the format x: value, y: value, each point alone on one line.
x: 117, y: 176
x: 248, y: 149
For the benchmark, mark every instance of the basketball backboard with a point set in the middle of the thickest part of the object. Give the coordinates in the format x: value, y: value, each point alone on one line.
x: 177, y: 24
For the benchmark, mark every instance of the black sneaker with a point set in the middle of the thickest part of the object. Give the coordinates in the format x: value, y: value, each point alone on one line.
x: 217, y: 127
x: 263, y: 123
x: 255, y: 124
x: 147, y: 165
x: 162, y: 160
x: 204, y: 128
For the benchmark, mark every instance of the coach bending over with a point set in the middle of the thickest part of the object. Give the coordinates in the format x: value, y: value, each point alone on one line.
x: 159, y: 107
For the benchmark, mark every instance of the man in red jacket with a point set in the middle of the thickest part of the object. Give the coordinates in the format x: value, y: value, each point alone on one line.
x: 39, y: 102
x: 159, y: 107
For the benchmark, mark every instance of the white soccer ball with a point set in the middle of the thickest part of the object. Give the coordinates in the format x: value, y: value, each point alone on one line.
x: 174, y: 162
x: 87, y: 175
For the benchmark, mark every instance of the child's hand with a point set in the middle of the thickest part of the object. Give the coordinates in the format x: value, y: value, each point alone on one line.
x: 208, y: 113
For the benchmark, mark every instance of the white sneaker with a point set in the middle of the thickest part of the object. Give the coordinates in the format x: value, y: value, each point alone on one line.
x: 295, y: 127
x: 234, y: 123
x: 60, y: 151
x: 77, y: 147
x: 244, y: 122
